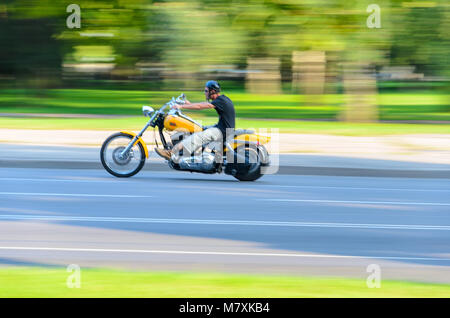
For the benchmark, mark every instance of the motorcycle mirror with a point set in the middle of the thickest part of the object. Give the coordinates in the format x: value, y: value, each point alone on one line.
x: 147, y: 110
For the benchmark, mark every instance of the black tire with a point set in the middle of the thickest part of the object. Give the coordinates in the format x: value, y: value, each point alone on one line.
x: 115, y: 173
x: 254, y: 170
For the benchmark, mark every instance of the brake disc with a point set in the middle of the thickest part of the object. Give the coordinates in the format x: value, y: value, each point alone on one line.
x: 126, y: 157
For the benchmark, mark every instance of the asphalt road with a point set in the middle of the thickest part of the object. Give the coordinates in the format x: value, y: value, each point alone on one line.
x: 69, y: 157
x: 281, y: 224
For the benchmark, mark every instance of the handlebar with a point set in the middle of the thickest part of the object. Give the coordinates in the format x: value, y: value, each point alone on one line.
x: 179, y: 100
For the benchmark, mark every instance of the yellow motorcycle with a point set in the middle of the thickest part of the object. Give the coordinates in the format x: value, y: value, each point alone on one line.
x: 241, y: 154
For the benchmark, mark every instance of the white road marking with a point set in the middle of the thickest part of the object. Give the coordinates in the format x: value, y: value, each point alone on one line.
x: 56, y: 180
x: 70, y: 249
x: 243, y: 187
x: 360, y: 188
x: 75, y: 195
x: 222, y: 222
x: 357, y: 202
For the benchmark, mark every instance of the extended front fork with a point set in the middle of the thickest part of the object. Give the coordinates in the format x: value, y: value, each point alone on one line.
x: 133, y: 141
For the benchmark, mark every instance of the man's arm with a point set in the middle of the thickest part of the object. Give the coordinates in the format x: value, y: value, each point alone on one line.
x: 203, y: 105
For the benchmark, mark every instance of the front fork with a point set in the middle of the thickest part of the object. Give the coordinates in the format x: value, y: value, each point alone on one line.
x: 124, y: 152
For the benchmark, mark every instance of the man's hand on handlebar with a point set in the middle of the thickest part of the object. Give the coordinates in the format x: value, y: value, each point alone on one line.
x: 180, y: 101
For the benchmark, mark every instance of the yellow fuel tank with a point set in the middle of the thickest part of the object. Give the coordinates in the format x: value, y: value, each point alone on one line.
x: 180, y: 124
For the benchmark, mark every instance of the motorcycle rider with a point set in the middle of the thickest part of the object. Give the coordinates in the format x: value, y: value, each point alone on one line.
x: 227, y: 117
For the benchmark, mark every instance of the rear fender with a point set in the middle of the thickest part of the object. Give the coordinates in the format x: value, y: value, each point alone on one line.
x: 249, y: 139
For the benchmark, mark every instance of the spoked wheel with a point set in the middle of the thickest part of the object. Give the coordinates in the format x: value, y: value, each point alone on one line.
x: 252, y: 164
x: 118, y: 164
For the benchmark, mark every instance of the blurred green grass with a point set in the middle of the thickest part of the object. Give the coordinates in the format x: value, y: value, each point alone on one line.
x: 284, y: 126
x: 51, y: 282
x: 415, y: 105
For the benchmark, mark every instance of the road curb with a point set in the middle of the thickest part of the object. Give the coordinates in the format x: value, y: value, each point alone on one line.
x: 283, y: 170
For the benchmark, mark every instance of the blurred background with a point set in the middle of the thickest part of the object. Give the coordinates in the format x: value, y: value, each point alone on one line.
x: 280, y: 59
x: 359, y: 91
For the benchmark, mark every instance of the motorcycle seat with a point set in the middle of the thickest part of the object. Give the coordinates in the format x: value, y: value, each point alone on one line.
x: 239, y: 132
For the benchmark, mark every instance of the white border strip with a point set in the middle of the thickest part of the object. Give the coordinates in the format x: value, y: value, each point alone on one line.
x: 243, y: 187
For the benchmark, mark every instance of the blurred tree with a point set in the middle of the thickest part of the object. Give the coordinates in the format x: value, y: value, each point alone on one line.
x: 422, y: 38
x: 197, y: 38
x: 30, y: 52
x: 193, y: 37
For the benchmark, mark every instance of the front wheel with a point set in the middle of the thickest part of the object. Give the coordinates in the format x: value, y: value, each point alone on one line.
x: 118, y: 164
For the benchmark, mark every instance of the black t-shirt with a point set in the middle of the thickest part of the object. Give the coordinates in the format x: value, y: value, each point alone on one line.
x: 225, y: 108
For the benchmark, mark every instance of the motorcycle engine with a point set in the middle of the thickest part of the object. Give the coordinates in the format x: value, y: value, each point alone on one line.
x: 205, y: 162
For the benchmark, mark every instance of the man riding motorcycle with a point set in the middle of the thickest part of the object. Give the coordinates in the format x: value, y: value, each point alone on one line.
x: 227, y: 117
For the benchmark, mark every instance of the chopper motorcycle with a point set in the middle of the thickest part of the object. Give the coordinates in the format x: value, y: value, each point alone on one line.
x: 241, y: 154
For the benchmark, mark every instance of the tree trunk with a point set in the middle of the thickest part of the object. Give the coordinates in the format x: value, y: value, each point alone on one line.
x: 263, y: 76
x: 360, y: 93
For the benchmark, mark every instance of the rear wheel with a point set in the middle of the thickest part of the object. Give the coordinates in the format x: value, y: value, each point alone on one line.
x: 250, y: 170
x: 122, y: 166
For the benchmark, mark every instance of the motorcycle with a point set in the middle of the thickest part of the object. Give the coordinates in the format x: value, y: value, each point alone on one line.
x: 241, y: 154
